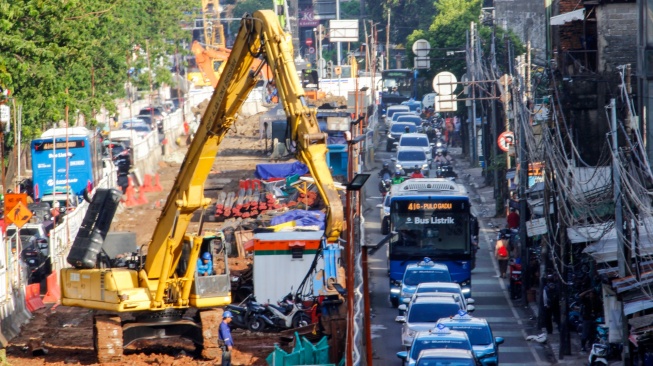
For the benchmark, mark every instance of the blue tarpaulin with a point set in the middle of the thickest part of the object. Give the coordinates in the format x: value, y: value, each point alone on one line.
x: 268, y: 171
x: 301, y: 218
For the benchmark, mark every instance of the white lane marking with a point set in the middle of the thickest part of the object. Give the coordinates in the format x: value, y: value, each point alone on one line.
x: 489, y: 241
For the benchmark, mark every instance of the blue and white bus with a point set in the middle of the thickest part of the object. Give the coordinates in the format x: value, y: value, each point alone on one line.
x: 430, y: 217
x: 71, y: 155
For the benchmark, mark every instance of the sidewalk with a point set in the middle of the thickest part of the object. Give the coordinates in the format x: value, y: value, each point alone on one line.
x: 482, y: 196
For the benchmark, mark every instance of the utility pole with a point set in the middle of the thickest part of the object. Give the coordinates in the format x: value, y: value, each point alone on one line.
x: 619, y: 224
x: 387, y: 43
x: 149, y: 68
x: 339, y: 43
x: 472, y: 69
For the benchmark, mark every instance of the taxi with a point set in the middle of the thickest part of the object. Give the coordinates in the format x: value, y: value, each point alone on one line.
x: 484, y: 344
x: 440, y: 337
x: 424, y: 271
x: 439, y: 357
x: 423, y: 314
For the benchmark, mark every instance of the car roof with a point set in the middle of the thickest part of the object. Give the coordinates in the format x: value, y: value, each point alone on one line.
x: 434, y: 300
x: 451, y: 285
x: 414, y: 134
x: 438, y: 266
x: 404, y: 124
x: 470, y: 320
x: 447, y: 352
x: 408, y: 116
x: 398, y: 107
x: 452, y: 334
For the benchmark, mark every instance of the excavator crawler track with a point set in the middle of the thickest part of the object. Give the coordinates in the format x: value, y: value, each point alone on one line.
x: 210, y: 320
x: 107, y: 338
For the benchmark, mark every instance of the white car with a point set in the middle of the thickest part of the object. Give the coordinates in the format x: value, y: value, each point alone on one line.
x: 410, y: 159
x: 417, y: 140
x: 423, y: 314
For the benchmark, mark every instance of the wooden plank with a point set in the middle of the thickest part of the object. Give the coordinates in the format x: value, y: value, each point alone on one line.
x: 242, y: 236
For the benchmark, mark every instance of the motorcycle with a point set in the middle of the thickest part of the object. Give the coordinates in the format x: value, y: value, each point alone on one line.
x: 287, y: 314
x: 246, y: 315
x: 515, y: 280
x: 384, y: 187
x: 598, y: 355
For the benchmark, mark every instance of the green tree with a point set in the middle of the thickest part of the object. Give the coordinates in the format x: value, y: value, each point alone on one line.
x: 74, y: 55
x: 249, y: 7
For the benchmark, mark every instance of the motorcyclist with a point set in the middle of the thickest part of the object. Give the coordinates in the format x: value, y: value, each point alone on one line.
x: 417, y: 173
x: 398, y: 177
x: 442, y: 159
x: 385, y: 171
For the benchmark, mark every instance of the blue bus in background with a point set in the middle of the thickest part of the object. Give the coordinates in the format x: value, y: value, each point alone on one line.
x: 430, y: 217
x: 71, y: 154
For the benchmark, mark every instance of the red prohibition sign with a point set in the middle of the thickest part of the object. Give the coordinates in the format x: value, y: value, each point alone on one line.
x: 505, y: 140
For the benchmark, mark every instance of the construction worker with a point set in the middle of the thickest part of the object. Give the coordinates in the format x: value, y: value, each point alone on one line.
x: 205, y: 265
x: 224, y: 338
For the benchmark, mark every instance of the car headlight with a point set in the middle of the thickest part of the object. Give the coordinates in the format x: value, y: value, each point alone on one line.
x: 394, y: 290
x: 405, y: 294
x: 425, y: 167
x: 398, y: 166
x: 389, y: 136
x: 409, y: 333
x: 438, y: 144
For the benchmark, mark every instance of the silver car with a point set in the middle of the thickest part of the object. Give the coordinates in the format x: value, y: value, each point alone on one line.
x: 410, y: 159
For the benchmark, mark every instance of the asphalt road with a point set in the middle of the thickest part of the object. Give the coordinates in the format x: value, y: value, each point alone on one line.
x: 490, y: 292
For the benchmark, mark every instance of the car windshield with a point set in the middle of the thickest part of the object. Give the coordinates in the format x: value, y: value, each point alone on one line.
x: 477, y: 335
x: 431, y: 313
x: 414, y: 141
x: 392, y: 111
x: 402, y: 127
x: 421, y: 344
x: 445, y: 361
x: 411, y: 156
x: 415, y: 277
x: 141, y: 129
x: 146, y: 119
x: 26, y: 231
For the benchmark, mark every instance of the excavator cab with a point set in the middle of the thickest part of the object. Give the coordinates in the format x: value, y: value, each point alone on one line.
x: 215, y: 285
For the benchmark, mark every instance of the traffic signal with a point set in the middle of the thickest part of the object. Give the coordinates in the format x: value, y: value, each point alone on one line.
x: 329, y: 70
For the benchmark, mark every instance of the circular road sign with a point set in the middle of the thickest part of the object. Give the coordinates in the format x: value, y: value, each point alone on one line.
x: 311, y: 50
x: 421, y: 48
x: 505, y: 140
x: 444, y: 83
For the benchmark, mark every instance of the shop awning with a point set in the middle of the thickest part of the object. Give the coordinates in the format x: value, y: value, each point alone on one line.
x: 568, y: 17
x: 633, y: 307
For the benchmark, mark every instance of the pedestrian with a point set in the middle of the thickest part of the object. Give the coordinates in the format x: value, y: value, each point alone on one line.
x: 588, y: 313
x: 501, y: 253
x: 224, y: 338
x: 512, y: 221
x: 551, y: 305
x: 456, y: 132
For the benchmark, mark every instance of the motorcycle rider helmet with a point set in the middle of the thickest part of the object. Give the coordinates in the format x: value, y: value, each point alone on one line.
x: 227, y: 314
x: 206, y: 256
x: 397, y: 172
x: 386, y: 165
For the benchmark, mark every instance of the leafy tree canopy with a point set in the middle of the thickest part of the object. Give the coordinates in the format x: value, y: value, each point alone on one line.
x: 447, y: 36
x: 76, y: 53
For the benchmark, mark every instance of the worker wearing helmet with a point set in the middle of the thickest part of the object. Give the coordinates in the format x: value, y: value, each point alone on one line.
x: 224, y: 338
x: 398, y: 177
x: 205, y: 265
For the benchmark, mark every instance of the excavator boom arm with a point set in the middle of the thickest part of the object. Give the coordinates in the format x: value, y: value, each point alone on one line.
x: 258, y: 34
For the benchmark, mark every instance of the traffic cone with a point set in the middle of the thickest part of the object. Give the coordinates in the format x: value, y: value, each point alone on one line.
x: 157, y: 185
x: 130, y: 200
x: 141, y: 197
x: 147, y: 184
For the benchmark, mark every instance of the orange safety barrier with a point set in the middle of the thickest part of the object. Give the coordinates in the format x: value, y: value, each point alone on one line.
x: 33, y: 297
x: 54, y: 291
x: 157, y: 185
x: 147, y: 184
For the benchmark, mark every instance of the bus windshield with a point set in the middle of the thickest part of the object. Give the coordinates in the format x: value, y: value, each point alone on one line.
x: 429, y: 228
x: 399, y: 82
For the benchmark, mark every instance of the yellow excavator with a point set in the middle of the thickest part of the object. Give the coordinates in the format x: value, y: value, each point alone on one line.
x: 211, y: 57
x: 151, y: 300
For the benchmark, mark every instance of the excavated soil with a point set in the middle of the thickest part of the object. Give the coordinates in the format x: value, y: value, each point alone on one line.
x: 63, y: 335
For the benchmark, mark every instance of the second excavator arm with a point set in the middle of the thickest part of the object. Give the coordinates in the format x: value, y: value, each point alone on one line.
x: 259, y: 35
